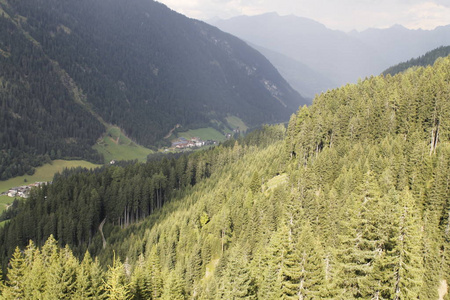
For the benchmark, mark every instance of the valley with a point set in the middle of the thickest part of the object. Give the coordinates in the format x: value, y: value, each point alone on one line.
x: 352, y: 176
x: 185, y: 163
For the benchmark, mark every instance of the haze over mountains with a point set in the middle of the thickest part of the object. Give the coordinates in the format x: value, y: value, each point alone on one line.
x: 335, y: 55
x: 136, y: 64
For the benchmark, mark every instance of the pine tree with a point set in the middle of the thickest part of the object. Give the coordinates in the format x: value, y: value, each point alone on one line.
x: 408, y: 268
x: 116, y: 285
x: 174, y: 287
x: 362, y: 240
x: 2, y: 284
x: 312, y: 270
x: 153, y: 269
x: 237, y: 282
x: 290, y: 266
x: 89, y: 283
x: 140, y: 284
x: 36, y: 276
x: 15, y: 286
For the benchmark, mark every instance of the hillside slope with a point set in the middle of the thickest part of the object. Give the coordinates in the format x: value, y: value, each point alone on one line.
x: 39, y: 117
x: 425, y: 60
x: 352, y: 204
x: 137, y: 65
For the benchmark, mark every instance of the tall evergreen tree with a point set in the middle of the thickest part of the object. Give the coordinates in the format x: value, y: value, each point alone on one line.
x: 15, y: 285
x: 116, y: 284
x: 408, y: 264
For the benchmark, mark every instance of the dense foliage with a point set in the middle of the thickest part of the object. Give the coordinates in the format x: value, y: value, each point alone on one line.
x: 134, y: 64
x: 427, y: 59
x: 353, y: 204
x: 78, y: 200
x: 39, y: 119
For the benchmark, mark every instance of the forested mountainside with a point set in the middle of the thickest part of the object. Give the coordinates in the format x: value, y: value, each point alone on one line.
x: 39, y: 119
x: 68, y: 66
x: 351, y: 204
x: 425, y: 60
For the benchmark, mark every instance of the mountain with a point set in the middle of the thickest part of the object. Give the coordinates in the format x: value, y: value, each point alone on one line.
x: 425, y: 60
x: 350, y: 201
x: 300, y: 76
x: 67, y: 67
x: 397, y: 43
x: 340, y: 57
x: 335, y: 54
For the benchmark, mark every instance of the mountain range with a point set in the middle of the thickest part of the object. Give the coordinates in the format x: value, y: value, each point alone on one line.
x: 338, y: 57
x: 68, y: 69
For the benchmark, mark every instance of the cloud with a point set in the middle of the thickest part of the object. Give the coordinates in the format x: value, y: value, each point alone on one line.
x: 428, y: 15
x: 343, y: 14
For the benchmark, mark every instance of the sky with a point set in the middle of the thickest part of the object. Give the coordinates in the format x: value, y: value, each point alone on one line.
x: 343, y: 15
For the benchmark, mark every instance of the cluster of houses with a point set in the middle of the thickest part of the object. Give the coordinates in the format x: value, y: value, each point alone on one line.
x: 235, y: 131
x: 182, y: 143
x: 23, y: 191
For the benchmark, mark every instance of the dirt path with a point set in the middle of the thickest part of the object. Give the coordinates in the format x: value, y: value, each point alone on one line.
x: 443, y: 289
x: 101, y: 232
x: 171, y: 131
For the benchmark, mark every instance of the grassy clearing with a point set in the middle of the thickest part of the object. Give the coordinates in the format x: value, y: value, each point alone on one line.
x: 203, y: 133
x: 117, y: 146
x: 3, y: 223
x: 211, y: 267
x: 235, y: 122
x: 4, y: 202
x: 275, y: 182
x: 44, y: 173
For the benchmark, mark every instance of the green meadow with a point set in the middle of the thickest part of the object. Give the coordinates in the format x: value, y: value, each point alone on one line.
x: 4, y: 202
x: 115, y: 145
x: 235, y: 122
x: 208, y: 133
x: 44, y: 173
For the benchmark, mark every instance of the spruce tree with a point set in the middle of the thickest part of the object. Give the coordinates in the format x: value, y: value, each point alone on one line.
x: 408, y: 267
x: 116, y: 285
x: 15, y: 285
x: 153, y: 269
x: 311, y: 261
x: 237, y: 281
x: 174, y: 287
x: 140, y: 283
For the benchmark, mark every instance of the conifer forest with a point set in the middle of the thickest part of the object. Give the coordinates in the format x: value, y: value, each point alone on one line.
x: 349, y: 200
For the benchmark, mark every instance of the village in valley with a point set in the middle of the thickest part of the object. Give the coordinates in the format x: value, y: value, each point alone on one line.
x: 21, y: 191
x: 195, y: 142
x: 182, y: 143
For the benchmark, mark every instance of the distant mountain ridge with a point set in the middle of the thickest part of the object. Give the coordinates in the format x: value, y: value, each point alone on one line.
x: 338, y: 56
x: 135, y: 64
x: 300, y: 76
x: 397, y: 43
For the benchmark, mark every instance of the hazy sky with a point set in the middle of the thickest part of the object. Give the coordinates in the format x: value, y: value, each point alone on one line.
x: 336, y: 14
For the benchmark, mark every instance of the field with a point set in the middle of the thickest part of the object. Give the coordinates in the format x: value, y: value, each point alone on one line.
x: 44, y: 173
x: 235, y: 122
x: 203, y: 133
x: 117, y: 146
x: 4, y: 201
